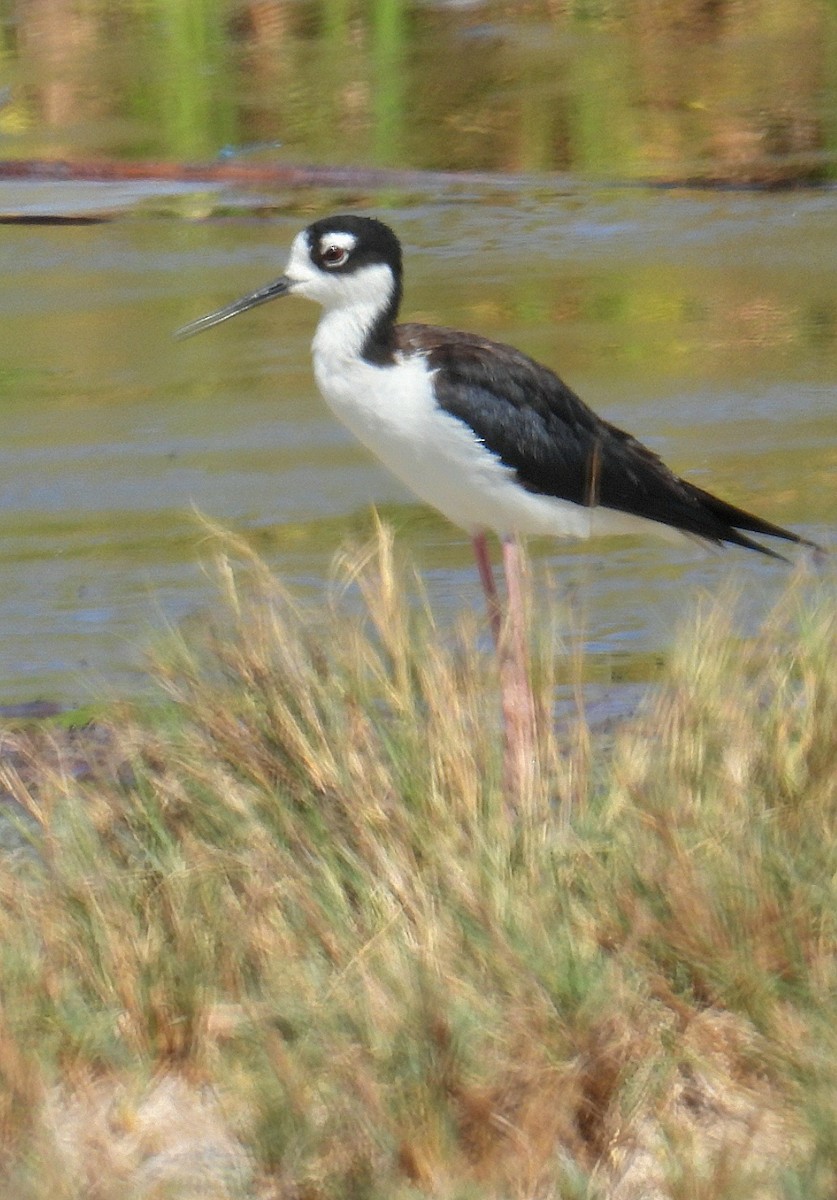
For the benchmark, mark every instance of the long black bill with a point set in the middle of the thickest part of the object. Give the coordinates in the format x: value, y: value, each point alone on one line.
x: 278, y: 288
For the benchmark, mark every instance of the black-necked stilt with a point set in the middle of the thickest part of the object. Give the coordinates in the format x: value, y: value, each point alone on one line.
x: 486, y: 435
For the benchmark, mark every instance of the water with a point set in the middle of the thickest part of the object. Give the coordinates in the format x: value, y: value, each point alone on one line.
x: 705, y: 324
x: 705, y: 321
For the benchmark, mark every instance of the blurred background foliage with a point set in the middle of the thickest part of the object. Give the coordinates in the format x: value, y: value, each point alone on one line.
x: 733, y: 90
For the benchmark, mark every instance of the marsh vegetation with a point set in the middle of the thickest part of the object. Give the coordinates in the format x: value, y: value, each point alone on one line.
x: 280, y: 935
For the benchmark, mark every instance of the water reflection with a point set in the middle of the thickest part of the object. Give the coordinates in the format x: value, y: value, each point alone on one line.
x: 671, y: 89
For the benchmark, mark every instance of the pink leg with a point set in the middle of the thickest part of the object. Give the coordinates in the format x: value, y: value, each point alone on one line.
x: 515, y: 691
x: 492, y: 599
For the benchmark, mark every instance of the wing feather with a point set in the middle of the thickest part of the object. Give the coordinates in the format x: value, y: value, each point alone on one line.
x: 558, y: 446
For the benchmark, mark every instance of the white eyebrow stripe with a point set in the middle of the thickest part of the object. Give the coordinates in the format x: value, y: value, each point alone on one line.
x: 346, y: 241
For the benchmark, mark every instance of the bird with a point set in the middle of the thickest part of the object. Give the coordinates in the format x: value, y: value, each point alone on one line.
x: 483, y: 433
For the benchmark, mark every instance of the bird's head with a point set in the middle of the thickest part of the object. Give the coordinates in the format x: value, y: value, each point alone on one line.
x: 342, y: 262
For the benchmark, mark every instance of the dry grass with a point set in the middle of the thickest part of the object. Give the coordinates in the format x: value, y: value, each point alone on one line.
x: 286, y: 941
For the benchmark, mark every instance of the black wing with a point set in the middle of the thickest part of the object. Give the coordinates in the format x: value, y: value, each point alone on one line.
x: 557, y: 446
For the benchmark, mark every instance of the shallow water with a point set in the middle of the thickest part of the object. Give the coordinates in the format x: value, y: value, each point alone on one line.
x: 705, y: 323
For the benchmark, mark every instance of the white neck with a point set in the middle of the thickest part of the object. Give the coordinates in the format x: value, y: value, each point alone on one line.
x: 341, y: 333
x: 351, y: 304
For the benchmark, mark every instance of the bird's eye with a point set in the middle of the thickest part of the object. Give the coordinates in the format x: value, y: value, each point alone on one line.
x: 335, y: 256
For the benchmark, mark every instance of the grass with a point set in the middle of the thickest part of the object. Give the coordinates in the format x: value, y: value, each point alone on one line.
x: 285, y: 940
